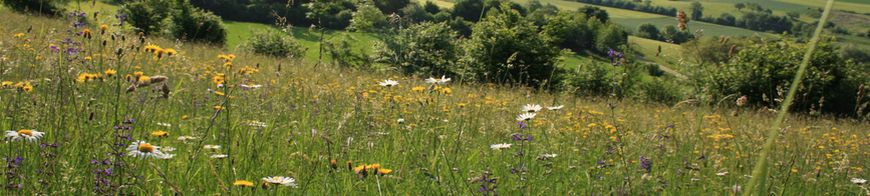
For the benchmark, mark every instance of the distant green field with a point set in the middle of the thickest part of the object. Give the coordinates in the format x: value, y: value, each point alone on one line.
x: 860, y: 6
x: 671, y: 53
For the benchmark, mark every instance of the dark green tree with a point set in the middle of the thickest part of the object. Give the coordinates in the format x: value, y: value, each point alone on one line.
x: 649, y: 31
x: 506, y: 47
x: 47, y: 7
x: 594, y: 12
x: 697, y: 10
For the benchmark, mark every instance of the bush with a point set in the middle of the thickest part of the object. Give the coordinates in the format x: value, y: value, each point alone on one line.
x: 610, y: 36
x: 47, y: 7
x: 592, y: 79
x: 649, y: 31
x: 714, y: 50
x: 274, y: 43
x: 569, y: 30
x: 661, y: 90
x: 148, y: 16
x: 673, y: 35
x: 506, y: 47
x: 426, y: 48
x: 763, y: 72
x: 654, y: 70
x: 416, y: 13
x: 194, y: 24
x: 367, y: 18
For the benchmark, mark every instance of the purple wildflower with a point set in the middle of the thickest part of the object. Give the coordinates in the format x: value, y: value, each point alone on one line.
x: 645, y: 164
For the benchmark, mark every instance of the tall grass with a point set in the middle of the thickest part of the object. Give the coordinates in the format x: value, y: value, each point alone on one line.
x: 759, y: 173
x: 302, y: 119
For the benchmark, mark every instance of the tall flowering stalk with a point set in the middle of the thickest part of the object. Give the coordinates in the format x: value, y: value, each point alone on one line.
x: 759, y: 172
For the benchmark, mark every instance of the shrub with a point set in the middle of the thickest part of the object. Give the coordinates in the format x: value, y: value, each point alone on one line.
x: 425, y: 48
x: 713, y: 50
x: 416, y: 13
x: 471, y: 9
x: 148, y: 16
x: 649, y: 31
x: 506, y: 47
x: 47, y: 7
x: 194, y: 24
x: 367, y: 18
x: 592, y: 79
x: 661, y: 90
x: 763, y: 72
x: 673, y: 35
x: 274, y: 43
x: 654, y: 70
x: 610, y: 36
x: 569, y: 30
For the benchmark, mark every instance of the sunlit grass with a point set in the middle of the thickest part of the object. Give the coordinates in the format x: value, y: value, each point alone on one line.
x: 433, y: 140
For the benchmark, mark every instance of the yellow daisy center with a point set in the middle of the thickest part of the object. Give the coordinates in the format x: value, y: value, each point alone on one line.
x: 146, y: 147
x: 26, y: 132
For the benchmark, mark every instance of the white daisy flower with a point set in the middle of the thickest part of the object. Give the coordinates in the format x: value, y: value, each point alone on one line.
x: 500, y: 146
x: 858, y: 181
x: 389, y: 83
x: 547, y: 156
x: 250, y: 87
x: 531, y: 108
x: 185, y: 138
x: 559, y: 107
x: 255, y: 123
x: 143, y: 149
x: 27, y: 134
x: 164, y: 124
x: 443, y: 80
x: 283, y: 181
x: 164, y: 156
x: 400, y: 121
x: 218, y: 156
x: 212, y: 147
x: 526, y: 116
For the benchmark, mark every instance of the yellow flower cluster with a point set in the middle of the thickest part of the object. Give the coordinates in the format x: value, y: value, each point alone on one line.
x: 248, y: 70
x: 21, y: 86
x: 88, y: 77
x: 160, y: 52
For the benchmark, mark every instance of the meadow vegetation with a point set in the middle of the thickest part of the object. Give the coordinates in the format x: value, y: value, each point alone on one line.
x: 98, y: 105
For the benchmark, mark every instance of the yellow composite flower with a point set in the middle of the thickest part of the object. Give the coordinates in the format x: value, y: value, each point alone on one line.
x: 170, y: 51
x: 418, y: 89
x: 218, y: 79
x: 384, y: 171
x: 248, y: 70
x: 159, y: 133
x: 243, y: 183
x: 110, y: 72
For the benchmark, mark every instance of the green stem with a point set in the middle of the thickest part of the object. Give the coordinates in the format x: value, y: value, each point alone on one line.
x: 759, y: 173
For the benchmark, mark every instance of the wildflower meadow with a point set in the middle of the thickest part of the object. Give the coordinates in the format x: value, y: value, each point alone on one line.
x: 91, y: 107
